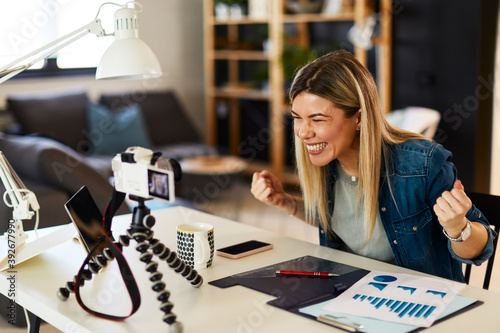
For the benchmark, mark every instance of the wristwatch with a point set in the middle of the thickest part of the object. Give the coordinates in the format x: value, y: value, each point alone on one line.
x: 466, y: 231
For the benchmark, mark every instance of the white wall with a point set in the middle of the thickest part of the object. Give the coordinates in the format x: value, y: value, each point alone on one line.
x: 174, y: 30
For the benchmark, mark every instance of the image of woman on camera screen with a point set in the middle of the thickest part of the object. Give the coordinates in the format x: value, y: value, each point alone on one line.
x: 159, y: 185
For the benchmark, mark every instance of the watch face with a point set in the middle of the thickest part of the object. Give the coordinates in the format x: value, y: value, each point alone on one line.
x: 466, y: 232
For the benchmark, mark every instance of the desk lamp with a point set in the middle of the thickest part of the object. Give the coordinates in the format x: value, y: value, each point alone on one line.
x: 128, y: 57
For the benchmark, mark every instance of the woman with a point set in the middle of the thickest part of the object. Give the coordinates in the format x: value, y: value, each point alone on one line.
x: 376, y: 190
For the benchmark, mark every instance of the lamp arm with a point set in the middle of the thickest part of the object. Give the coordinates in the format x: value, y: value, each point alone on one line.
x: 16, y: 66
x: 20, y: 197
x: 9, y: 182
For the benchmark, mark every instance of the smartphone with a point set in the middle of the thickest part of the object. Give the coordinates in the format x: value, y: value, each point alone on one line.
x: 243, y: 249
x: 87, y: 218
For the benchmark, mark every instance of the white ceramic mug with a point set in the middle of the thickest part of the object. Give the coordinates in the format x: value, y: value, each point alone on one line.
x: 195, y: 244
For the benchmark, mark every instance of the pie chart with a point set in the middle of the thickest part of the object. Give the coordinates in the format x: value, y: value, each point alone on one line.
x: 385, y: 278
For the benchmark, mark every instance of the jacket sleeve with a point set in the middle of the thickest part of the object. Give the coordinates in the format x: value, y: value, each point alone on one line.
x: 475, y: 215
x: 442, y: 176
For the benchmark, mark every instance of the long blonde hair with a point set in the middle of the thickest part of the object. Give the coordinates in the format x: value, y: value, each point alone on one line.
x: 343, y: 80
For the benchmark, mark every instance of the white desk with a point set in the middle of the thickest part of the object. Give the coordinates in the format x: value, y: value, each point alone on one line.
x: 207, y: 309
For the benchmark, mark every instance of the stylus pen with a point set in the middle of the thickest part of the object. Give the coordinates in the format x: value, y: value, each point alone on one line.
x: 305, y: 273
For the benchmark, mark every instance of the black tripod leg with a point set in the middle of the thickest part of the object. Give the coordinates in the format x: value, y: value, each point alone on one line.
x: 155, y: 277
x: 175, y: 263
x: 93, y: 267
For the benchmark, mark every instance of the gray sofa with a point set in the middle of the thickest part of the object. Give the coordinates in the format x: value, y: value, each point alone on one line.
x: 61, y: 141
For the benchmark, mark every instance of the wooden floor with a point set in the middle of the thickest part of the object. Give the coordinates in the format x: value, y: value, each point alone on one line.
x: 237, y: 203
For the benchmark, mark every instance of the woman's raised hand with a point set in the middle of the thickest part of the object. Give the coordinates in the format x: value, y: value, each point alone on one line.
x: 268, y: 189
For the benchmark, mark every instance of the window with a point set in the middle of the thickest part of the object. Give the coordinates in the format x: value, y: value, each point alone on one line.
x: 30, y: 24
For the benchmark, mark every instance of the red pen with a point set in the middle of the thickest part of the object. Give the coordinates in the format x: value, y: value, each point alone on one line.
x: 305, y: 273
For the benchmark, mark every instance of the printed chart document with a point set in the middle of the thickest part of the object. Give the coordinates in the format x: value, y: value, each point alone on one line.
x: 400, y: 298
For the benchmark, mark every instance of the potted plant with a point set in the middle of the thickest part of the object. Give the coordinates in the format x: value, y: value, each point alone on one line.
x: 294, y: 57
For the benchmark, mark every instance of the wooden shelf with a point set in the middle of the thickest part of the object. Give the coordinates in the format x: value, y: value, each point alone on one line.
x: 307, y: 18
x: 243, y: 93
x: 288, y: 18
x: 240, y: 55
x: 243, y: 20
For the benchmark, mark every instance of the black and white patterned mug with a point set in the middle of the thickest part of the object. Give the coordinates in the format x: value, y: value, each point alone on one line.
x: 195, y: 244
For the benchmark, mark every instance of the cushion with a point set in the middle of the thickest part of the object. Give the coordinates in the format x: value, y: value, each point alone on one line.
x: 60, y: 116
x: 165, y: 118
x: 111, y: 132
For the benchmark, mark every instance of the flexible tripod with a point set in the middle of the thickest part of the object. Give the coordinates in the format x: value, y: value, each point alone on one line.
x: 140, y: 231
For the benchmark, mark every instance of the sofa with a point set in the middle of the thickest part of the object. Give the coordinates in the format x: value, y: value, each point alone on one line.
x: 60, y: 141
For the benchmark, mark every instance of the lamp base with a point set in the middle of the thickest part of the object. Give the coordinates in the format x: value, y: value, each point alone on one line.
x: 35, y: 243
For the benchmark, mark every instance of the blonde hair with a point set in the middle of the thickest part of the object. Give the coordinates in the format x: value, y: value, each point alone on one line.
x: 343, y: 80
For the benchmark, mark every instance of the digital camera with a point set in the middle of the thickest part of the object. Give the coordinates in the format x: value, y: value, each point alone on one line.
x: 140, y: 172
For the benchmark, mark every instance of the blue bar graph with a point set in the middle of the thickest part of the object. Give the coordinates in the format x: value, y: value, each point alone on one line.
x: 379, y: 304
x: 396, y: 303
x: 415, y: 309
x: 432, y: 308
x: 401, y: 308
x: 419, y: 313
x: 406, y: 309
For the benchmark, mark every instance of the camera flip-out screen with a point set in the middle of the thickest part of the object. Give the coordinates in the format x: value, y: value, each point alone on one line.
x: 159, y: 185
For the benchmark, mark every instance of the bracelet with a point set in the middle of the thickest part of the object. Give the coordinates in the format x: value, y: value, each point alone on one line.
x: 295, y: 208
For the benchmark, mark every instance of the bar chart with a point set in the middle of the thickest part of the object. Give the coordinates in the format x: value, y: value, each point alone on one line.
x: 400, y: 298
x: 399, y: 307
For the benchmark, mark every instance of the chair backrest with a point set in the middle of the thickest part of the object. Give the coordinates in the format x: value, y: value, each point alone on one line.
x: 489, y: 205
x: 416, y: 119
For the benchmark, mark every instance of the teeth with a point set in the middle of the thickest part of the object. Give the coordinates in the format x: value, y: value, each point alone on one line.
x: 316, y: 147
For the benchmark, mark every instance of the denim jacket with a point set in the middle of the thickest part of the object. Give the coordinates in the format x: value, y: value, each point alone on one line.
x: 419, y: 172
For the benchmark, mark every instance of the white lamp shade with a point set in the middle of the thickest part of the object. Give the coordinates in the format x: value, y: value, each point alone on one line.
x: 128, y: 58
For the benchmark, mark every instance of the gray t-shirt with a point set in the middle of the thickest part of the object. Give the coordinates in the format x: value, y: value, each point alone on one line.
x: 348, y: 222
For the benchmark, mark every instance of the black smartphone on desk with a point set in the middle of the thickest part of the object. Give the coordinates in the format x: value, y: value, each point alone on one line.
x: 87, y: 218
x: 244, y: 249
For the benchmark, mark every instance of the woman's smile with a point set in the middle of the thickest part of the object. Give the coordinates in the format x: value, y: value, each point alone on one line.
x: 316, y: 148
